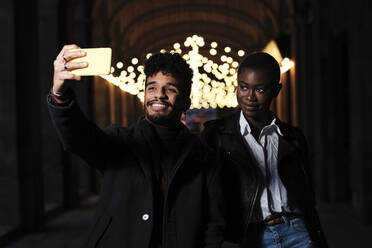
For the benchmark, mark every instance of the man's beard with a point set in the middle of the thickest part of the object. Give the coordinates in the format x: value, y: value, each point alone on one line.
x: 161, y: 119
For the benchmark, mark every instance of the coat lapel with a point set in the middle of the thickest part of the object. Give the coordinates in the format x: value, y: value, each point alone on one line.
x: 286, y: 146
x: 142, y: 150
x: 187, y: 143
x: 145, y: 142
x: 240, y: 149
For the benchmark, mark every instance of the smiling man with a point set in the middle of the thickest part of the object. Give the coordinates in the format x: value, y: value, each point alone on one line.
x: 165, y: 98
x: 158, y: 189
x: 270, y: 201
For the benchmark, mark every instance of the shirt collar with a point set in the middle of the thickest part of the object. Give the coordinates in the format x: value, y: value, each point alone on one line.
x: 246, y: 129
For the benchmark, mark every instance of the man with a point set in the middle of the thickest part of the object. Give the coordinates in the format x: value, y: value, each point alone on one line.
x: 269, y: 196
x: 157, y: 189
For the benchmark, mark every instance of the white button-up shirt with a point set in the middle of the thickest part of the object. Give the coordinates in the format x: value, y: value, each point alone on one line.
x: 266, y: 154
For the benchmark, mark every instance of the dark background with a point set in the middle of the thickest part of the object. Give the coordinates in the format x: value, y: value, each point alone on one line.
x: 47, y: 196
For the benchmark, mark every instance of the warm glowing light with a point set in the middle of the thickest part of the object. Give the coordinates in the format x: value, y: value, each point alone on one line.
x: 286, y: 65
x: 273, y: 49
x: 213, y: 51
x: 176, y: 45
x: 241, y: 53
x: 200, y: 41
x: 214, y: 86
x: 134, y: 61
x: 119, y: 65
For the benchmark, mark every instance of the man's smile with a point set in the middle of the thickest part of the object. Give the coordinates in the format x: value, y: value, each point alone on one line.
x: 158, y: 106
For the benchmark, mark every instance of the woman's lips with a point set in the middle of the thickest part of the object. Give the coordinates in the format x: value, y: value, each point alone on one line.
x: 251, y: 107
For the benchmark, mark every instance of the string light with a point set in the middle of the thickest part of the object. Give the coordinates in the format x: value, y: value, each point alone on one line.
x: 134, y: 61
x: 213, y: 51
x: 214, y: 84
x: 119, y: 65
x: 176, y: 45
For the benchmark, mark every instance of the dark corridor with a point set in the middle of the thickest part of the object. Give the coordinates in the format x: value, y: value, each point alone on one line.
x: 48, y: 196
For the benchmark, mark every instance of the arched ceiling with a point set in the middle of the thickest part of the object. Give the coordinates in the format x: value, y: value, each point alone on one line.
x: 134, y: 28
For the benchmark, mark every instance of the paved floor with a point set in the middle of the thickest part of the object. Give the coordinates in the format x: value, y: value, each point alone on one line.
x: 341, y: 228
x: 66, y: 231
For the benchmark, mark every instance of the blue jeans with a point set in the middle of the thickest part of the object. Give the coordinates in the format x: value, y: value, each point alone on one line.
x: 291, y: 234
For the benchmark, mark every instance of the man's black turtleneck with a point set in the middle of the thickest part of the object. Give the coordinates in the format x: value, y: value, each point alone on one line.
x: 164, y: 161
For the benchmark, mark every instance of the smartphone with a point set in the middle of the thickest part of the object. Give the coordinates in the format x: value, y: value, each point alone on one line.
x: 98, y: 59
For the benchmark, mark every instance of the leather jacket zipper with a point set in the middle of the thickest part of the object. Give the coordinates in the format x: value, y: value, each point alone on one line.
x: 248, y: 220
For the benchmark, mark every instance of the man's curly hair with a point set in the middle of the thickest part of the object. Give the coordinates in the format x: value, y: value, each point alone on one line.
x: 173, y: 64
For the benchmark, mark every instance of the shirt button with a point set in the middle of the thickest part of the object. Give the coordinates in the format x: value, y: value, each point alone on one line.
x: 145, y: 217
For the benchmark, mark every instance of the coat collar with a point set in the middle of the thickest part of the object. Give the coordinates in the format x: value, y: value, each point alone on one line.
x: 145, y: 145
x: 141, y: 148
x: 245, y: 128
x: 287, y: 141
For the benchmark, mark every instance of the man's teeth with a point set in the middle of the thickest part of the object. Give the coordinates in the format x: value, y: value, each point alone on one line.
x: 158, y: 105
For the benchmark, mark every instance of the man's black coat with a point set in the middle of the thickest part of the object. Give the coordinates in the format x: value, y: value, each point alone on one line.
x: 125, y: 215
x: 243, y: 181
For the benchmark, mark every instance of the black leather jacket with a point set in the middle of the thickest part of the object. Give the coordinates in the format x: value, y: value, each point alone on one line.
x: 243, y: 181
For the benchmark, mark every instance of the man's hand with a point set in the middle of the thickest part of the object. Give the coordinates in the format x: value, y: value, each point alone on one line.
x: 63, y: 66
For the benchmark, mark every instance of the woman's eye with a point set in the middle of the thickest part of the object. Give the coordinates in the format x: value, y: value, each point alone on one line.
x: 243, y: 87
x: 260, y: 90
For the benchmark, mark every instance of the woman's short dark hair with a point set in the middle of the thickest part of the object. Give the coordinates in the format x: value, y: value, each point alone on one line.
x: 262, y: 61
x: 173, y: 64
